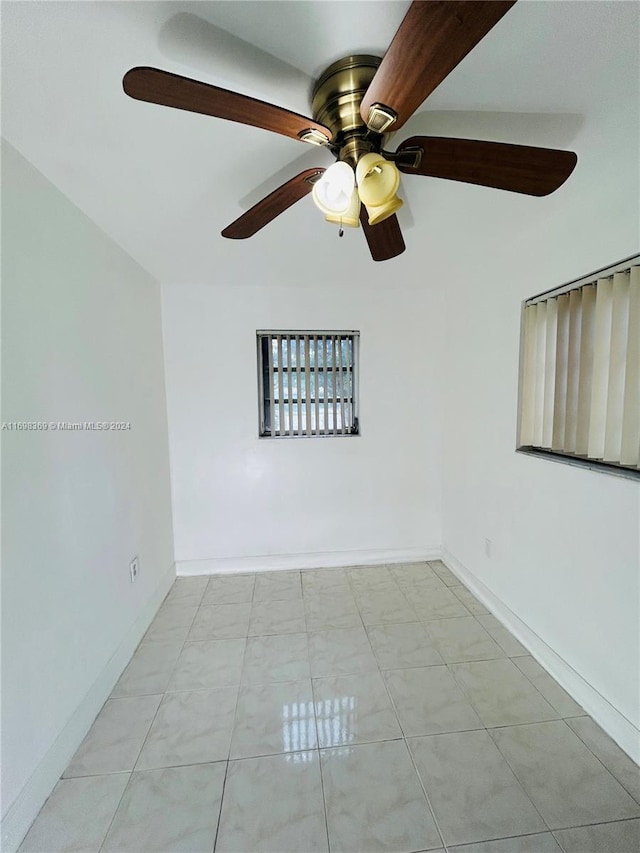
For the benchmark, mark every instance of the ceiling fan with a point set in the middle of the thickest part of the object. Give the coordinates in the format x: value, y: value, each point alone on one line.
x: 355, y: 103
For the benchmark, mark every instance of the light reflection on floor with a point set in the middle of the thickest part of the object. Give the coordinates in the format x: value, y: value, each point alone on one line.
x: 335, y: 718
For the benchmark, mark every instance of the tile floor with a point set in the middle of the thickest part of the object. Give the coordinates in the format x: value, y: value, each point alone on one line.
x: 365, y: 709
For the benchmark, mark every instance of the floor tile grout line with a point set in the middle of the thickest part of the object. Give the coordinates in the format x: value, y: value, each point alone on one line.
x: 579, y: 736
x: 364, y: 624
x: 315, y: 712
x: 235, y: 712
x: 214, y: 577
x: 524, y: 653
x: 219, y: 820
x: 324, y: 799
x: 403, y: 737
x: 231, y: 733
x: 148, y: 730
x: 538, y: 689
x: 211, y: 606
x: 557, y: 840
x: 469, y: 698
x: 484, y: 728
x: 235, y: 687
x: 512, y: 768
x: 501, y: 838
x: 416, y: 666
x: 407, y: 599
x: 338, y: 746
x: 306, y: 630
x: 235, y: 717
x: 519, y: 784
x: 585, y: 826
x: 424, y: 791
x: 406, y: 744
x: 364, y: 628
x: 115, y: 812
x: 190, y: 763
x: 596, y: 823
x: 164, y: 694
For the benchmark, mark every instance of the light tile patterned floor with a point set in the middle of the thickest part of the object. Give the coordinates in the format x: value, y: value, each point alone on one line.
x: 377, y: 710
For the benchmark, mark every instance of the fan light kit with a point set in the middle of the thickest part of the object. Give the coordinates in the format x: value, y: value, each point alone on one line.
x: 336, y: 194
x: 332, y: 192
x: 355, y: 102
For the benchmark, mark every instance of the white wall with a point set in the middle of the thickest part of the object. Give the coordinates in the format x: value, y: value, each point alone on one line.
x: 236, y: 496
x: 565, y: 541
x: 81, y: 342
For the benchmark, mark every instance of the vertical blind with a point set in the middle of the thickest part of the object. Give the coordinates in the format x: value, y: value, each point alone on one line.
x: 308, y: 383
x: 580, y: 380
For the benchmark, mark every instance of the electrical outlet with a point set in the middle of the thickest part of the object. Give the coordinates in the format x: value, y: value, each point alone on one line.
x: 488, y: 547
x: 134, y: 568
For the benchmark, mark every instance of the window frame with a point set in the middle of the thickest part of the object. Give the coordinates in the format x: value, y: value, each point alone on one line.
x: 263, y: 368
x: 560, y: 456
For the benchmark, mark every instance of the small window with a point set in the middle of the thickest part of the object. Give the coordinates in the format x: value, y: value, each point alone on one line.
x: 580, y: 371
x: 308, y: 383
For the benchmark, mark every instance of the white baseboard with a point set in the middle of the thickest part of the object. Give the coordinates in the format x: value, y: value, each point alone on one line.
x: 23, y: 810
x: 318, y: 560
x: 614, y: 723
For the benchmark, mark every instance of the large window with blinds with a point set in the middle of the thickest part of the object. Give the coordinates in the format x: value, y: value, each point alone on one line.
x: 308, y: 383
x: 580, y: 371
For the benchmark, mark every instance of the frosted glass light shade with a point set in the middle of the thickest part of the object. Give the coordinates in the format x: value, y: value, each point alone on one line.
x: 333, y: 192
x: 378, y: 180
x: 352, y: 217
x: 381, y: 212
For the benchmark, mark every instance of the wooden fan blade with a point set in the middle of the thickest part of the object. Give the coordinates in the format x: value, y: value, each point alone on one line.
x: 171, y: 90
x: 385, y: 239
x: 433, y: 38
x: 516, y: 168
x: 272, y: 205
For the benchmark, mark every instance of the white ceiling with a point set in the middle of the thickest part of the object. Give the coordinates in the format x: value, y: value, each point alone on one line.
x: 163, y: 183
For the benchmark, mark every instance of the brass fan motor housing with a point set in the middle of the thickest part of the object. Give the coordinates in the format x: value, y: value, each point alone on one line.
x: 335, y: 102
